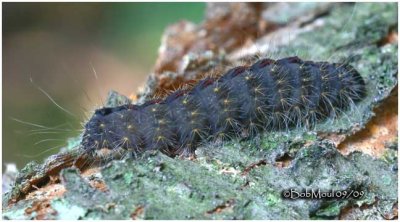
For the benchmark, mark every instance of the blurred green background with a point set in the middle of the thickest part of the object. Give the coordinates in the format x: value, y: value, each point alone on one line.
x: 56, y: 45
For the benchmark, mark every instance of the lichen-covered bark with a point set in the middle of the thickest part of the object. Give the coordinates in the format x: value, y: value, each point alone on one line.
x: 244, y: 179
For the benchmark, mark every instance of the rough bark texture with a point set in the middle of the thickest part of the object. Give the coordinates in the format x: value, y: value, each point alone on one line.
x: 245, y: 179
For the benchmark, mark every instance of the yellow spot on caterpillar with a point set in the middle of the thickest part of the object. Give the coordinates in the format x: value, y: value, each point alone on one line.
x: 226, y: 101
x: 185, y: 101
x: 221, y: 135
x: 153, y: 109
x: 129, y: 127
x: 196, y: 131
x: 247, y: 77
x: 102, y: 125
x: 216, y: 89
x: 258, y: 89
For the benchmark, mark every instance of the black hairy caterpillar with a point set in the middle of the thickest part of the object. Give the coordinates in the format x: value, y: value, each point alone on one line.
x: 268, y: 95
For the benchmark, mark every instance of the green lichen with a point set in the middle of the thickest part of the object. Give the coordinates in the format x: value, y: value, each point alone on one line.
x: 66, y: 210
x: 17, y: 213
x: 168, y: 188
x: 116, y: 99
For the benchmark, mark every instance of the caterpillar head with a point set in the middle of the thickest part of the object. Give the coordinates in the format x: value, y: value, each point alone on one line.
x: 111, y: 132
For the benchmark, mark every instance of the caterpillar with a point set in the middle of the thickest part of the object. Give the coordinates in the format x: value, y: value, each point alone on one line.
x: 268, y: 95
